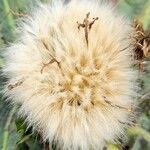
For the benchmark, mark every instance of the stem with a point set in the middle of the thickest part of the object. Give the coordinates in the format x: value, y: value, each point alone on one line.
x: 129, y: 2
x: 10, y: 19
x: 6, y: 128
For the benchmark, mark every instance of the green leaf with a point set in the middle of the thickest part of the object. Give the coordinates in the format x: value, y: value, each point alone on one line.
x: 145, y: 15
x: 112, y: 147
x: 24, y: 139
x: 137, y: 131
x: 19, y: 124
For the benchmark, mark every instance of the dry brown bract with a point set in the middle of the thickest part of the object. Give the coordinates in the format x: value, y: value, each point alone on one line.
x: 142, y: 45
x: 19, y: 83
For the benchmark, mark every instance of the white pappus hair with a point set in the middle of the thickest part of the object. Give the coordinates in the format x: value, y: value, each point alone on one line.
x: 74, y: 79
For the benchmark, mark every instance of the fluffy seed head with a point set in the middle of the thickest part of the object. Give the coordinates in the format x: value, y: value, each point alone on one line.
x: 75, y: 83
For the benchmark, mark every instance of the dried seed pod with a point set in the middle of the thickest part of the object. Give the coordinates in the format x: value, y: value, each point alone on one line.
x: 142, y: 44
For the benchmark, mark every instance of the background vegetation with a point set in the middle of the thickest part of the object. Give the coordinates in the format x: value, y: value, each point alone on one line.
x: 13, y: 133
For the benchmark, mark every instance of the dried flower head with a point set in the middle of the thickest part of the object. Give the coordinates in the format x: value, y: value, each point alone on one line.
x: 75, y: 95
x: 142, y: 44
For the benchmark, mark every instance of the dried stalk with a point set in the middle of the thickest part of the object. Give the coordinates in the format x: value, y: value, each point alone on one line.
x: 87, y: 25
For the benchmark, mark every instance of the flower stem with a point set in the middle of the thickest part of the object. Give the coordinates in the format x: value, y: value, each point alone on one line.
x: 10, y: 19
x: 6, y: 128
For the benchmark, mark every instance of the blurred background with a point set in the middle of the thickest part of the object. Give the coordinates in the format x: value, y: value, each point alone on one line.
x: 13, y: 132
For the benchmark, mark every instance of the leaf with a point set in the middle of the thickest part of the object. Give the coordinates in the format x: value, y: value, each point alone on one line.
x: 111, y: 146
x: 137, y: 131
x: 131, y: 8
x: 19, y: 124
x: 24, y: 139
x: 144, y: 17
x: 140, y: 144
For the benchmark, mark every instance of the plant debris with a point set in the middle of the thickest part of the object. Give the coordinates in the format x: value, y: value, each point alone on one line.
x: 142, y: 44
x: 87, y: 25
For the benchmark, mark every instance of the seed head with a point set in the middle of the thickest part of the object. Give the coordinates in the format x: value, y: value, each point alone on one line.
x: 75, y: 95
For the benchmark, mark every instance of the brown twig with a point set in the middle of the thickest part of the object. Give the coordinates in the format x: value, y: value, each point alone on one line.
x: 87, y: 25
x: 45, y: 65
x: 52, y: 60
